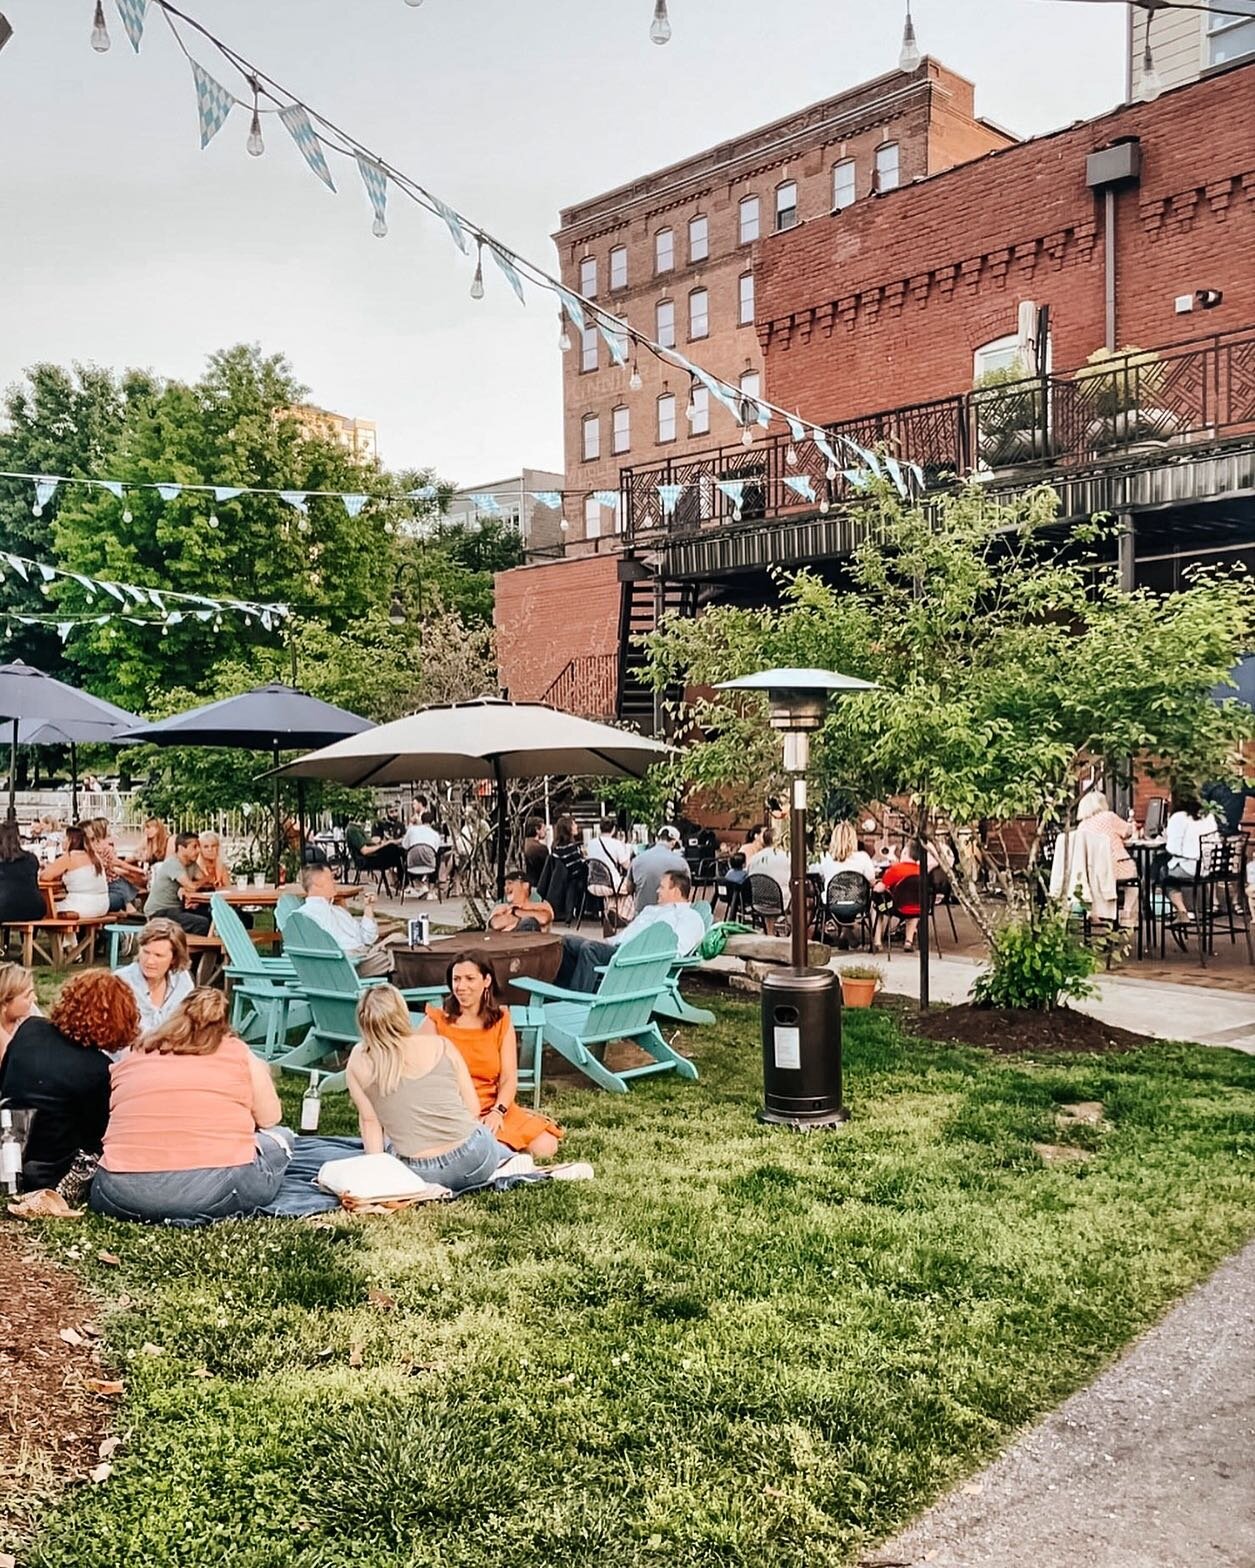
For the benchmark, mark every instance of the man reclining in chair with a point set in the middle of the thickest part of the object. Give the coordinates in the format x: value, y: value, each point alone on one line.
x: 581, y: 957
x: 523, y: 909
x: 359, y: 938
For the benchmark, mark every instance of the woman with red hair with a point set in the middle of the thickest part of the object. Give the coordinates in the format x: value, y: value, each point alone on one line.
x: 58, y: 1067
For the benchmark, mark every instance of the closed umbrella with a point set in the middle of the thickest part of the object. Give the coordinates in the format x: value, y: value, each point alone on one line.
x: 485, y: 739
x: 272, y: 718
x: 49, y: 705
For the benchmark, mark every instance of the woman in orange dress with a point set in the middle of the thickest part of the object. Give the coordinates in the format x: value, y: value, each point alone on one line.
x: 473, y: 1020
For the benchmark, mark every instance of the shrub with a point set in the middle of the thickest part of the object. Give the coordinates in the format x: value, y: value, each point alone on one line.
x: 1035, y: 965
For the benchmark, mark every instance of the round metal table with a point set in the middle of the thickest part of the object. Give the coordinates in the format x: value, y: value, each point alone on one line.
x: 535, y: 954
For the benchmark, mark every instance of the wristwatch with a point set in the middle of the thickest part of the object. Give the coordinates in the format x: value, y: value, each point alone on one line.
x: 500, y: 1109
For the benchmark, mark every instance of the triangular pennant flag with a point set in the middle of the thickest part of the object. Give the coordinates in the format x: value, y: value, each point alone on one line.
x: 615, y: 338
x: 858, y: 477
x: 511, y: 276
x: 572, y: 307
x: 376, y: 183
x: 452, y: 221
x: 137, y: 620
x: 265, y: 619
x: 45, y: 489
x: 295, y: 117
x: 294, y: 498
x: 114, y: 486
x: 174, y: 617
x: 718, y: 390
x: 608, y: 498
x: 155, y: 598
x: 486, y: 503
x: 797, y: 432
x: 64, y: 628
x: 354, y: 503
x: 84, y: 582
x: 550, y: 498
x: 669, y: 495
x: 870, y: 458
x: 114, y: 590
x: 824, y: 445
x: 213, y: 104
x: 47, y: 572
x: 103, y: 620
x: 132, y: 14
x: 204, y: 615
x: 226, y: 492
x: 423, y: 493
x: 18, y: 565
x: 762, y: 413
x: 895, y: 473
x: 734, y: 489
x: 917, y: 474
x: 800, y: 484
x: 169, y: 492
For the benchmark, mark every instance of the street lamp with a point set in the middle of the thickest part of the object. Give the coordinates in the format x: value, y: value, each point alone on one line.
x: 801, y: 1006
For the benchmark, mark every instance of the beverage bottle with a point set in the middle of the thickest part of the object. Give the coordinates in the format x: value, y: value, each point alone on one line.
x: 311, y: 1106
x: 10, y: 1154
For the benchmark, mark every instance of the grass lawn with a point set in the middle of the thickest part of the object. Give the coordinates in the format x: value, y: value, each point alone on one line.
x: 737, y: 1346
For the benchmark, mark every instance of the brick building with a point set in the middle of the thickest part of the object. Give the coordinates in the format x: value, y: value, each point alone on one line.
x: 1135, y: 228
x: 1187, y: 44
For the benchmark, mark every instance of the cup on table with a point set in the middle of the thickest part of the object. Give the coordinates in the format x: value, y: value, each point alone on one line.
x: 259, y: 879
x: 241, y: 881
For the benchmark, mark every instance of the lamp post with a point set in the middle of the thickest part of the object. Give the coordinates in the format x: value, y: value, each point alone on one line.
x: 801, y: 1010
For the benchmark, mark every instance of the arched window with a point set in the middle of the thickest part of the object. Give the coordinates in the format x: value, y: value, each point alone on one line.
x: 745, y: 300
x: 618, y: 267
x: 620, y: 428
x: 699, y: 239
x: 664, y: 323
x: 844, y: 179
x: 664, y: 250
x: 590, y: 437
x: 887, y: 166
x: 592, y: 517
x: 747, y: 219
x: 666, y: 417
x: 786, y: 205
x: 699, y: 314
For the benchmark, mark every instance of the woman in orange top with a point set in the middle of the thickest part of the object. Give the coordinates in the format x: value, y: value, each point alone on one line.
x: 475, y: 1022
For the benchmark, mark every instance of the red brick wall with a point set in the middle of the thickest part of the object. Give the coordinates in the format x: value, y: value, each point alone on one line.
x: 550, y: 613
x: 885, y: 303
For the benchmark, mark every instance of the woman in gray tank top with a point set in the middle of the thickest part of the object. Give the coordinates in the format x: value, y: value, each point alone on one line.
x: 412, y: 1090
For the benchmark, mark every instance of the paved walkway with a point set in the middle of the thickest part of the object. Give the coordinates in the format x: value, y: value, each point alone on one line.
x: 1149, y: 1467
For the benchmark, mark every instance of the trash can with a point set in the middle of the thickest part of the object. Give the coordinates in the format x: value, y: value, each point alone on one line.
x: 802, y: 1049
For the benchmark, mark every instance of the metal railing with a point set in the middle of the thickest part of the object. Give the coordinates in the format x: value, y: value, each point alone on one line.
x: 587, y: 686
x: 1187, y: 393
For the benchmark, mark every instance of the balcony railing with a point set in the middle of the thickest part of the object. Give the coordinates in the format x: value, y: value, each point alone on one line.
x: 587, y: 686
x: 1184, y: 394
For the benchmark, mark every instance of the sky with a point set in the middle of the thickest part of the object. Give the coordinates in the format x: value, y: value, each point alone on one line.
x: 122, y: 243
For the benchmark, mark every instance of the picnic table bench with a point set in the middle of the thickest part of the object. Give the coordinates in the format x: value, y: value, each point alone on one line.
x: 207, y: 952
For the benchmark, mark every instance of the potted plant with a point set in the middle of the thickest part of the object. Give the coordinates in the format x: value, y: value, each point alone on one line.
x: 859, y: 984
x: 1119, y: 391
x: 1010, y: 427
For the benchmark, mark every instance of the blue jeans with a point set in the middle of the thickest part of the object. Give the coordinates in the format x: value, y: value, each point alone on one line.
x: 581, y: 958
x: 196, y: 1197
x: 470, y: 1164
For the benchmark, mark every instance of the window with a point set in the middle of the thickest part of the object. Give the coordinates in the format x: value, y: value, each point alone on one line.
x: 745, y: 300
x: 588, y: 349
x: 843, y: 192
x: 619, y: 332
x: 588, y: 277
x: 786, y: 205
x: 699, y: 239
x: 664, y: 250
x: 1231, y: 36
x: 747, y: 219
x: 591, y: 437
x: 887, y: 166
x: 620, y: 429
x: 699, y: 405
x: 618, y: 267
x: 1002, y: 354
x: 592, y: 517
x: 666, y: 417
x: 665, y: 323
x: 699, y: 314
x: 752, y: 384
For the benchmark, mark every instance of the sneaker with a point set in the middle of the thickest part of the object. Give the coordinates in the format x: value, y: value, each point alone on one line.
x: 516, y: 1165
x: 577, y: 1170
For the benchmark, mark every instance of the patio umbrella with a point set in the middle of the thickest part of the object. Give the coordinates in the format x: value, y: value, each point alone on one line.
x: 485, y: 739
x: 272, y: 718
x: 73, y: 732
x: 50, y: 705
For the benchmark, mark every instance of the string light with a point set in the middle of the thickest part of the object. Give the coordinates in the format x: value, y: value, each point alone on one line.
x: 690, y: 413
x: 100, y: 33
x: 477, y: 282
x: 909, y: 58
x: 213, y: 519
x: 634, y: 380
x: 37, y: 510
x: 747, y: 436
x: 660, y: 27
x: 564, y: 337
x: 127, y: 515
x: 256, y: 144
x: 790, y: 455
x: 1152, y: 86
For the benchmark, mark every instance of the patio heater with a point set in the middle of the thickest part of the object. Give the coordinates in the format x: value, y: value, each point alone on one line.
x: 801, y: 1008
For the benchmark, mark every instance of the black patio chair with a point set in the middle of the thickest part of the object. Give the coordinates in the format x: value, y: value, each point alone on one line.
x: 763, y: 902
x: 601, y: 888
x: 847, y: 905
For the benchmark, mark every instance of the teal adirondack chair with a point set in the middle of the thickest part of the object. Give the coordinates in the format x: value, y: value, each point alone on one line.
x: 579, y: 1026
x: 288, y: 904
x: 671, y: 1004
x: 328, y: 982
x: 265, y: 1006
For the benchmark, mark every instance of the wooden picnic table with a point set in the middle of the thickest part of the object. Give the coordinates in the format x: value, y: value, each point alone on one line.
x: 264, y: 897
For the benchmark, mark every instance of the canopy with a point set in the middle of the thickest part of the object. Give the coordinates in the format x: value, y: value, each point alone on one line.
x: 55, y: 715
x: 485, y: 739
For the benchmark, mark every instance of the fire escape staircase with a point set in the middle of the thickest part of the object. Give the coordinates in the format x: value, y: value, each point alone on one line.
x: 645, y: 599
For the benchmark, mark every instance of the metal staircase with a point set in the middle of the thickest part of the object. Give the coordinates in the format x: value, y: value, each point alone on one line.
x: 645, y: 600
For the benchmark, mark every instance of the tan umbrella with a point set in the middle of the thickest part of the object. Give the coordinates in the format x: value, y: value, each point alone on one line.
x: 485, y: 739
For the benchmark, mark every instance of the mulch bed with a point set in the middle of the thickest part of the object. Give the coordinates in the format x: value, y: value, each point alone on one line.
x: 51, y: 1423
x: 1008, y: 1033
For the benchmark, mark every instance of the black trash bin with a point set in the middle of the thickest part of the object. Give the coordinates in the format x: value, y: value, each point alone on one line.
x: 802, y: 1049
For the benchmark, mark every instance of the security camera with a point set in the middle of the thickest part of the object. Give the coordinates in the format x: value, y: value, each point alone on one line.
x: 1208, y: 299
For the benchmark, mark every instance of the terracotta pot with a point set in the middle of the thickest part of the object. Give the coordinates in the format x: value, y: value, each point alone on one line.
x: 858, y: 993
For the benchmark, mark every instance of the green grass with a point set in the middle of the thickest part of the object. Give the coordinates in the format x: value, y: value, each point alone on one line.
x: 738, y: 1346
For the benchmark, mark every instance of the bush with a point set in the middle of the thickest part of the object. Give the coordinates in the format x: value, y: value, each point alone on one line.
x: 1035, y: 965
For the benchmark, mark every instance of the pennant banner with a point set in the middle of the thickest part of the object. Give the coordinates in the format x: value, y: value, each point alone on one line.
x: 295, y: 498
x: 296, y: 119
x: 376, y: 183
x: 169, y: 492
x: 114, y: 487
x: 797, y: 433
x: 616, y: 337
x: 484, y: 502
x: 669, y: 495
x: 573, y: 309
x: 45, y: 489
x: 511, y: 276
x: 550, y: 498
x: 608, y: 498
x: 225, y: 492
x: 132, y: 14
x: 213, y: 104
x: 452, y: 222
x: 800, y: 484
x: 734, y: 489
x: 354, y: 503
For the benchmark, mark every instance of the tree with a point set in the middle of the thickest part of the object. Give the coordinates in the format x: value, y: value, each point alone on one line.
x: 452, y: 567
x: 1007, y: 658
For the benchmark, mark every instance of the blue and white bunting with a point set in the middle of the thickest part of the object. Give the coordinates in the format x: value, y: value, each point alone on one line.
x: 797, y: 431
x: 113, y: 486
x: 608, y: 498
x: 296, y: 498
x: 452, y: 222
x: 226, y: 492
x: 870, y: 458
x: 762, y: 413
x: 615, y: 336
x: 213, y: 104
x: 132, y: 14
x: 800, y: 484
x: 296, y: 120
x: 47, y: 572
x: 64, y: 628
x: 18, y: 565
x: 169, y: 492
x: 573, y: 308
x: 485, y: 501
x: 669, y: 495
x: 895, y: 473
x: 550, y: 498
x: 825, y: 446
x: 509, y: 273
x: 376, y: 183
x: 45, y: 489
x: 423, y: 493
x: 859, y: 478
x: 354, y: 503
x: 734, y: 489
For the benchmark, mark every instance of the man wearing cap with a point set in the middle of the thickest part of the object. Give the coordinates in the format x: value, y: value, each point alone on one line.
x: 651, y: 865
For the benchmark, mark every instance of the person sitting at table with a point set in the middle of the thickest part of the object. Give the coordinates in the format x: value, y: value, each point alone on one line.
x: 156, y: 845
x: 376, y: 855
x: 159, y: 976
x: 652, y: 864
x: 17, y: 1001
x: 412, y: 1090
x: 844, y: 854
x: 215, y: 874
x: 882, y: 901
x: 535, y: 850
x: 82, y: 874
x: 1187, y: 827
x: 1094, y: 815
x: 389, y: 827
x: 126, y: 881
x: 422, y: 830
x: 423, y: 845
x: 59, y: 1067
x: 172, y: 881
x: 193, y: 1132
x: 371, y: 954
x: 615, y: 853
x: 474, y: 1021
x: 20, y: 898
x: 582, y: 957
x: 564, y: 875
x: 523, y: 909
x: 772, y: 862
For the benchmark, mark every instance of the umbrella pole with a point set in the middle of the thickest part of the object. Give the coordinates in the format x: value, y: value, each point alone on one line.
x: 278, y: 821
x: 73, y: 782
x: 13, y: 775
x: 502, y: 812
x: 300, y: 813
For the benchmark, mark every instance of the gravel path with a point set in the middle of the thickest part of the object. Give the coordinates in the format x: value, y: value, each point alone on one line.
x: 1152, y: 1466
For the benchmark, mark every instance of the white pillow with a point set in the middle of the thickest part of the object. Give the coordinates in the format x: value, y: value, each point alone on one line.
x: 377, y: 1178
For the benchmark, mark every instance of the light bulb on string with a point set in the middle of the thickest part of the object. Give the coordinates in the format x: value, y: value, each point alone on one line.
x: 213, y: 519
x: 564, y: 337
x: 256, y: 143
x: 634, y: 380
x: 660, y: 27
x: 690, y: 413
x: 747, y: 436
x: 790, y: 455
x: 909, y: 58
x: 37, y: 510
x: 830, y: 473
x: 477, y: 282
x: 1152, y: 86
x: 100, y: 33
x: 825, y: 505
x: 379, y: 228
x: 127, y: 515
